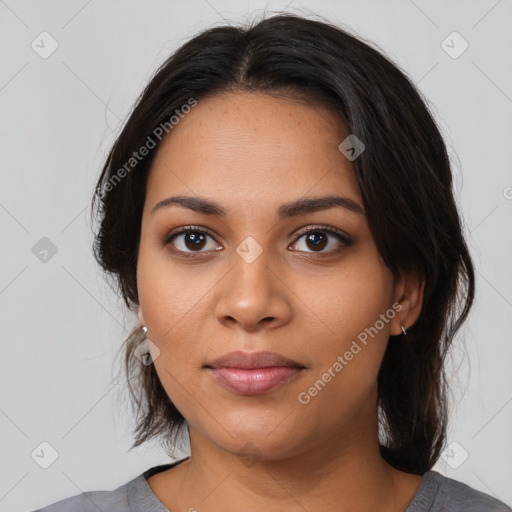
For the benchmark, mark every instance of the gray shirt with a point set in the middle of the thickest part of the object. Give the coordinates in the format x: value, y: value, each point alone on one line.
x: 436, y: 493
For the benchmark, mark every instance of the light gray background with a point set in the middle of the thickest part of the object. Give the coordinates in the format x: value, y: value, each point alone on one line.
x: 61, y: 324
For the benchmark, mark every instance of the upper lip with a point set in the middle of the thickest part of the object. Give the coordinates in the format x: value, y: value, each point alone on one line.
x: 241, y: 359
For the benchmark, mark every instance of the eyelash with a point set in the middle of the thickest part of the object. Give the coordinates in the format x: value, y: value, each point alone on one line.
x: 342, y: 238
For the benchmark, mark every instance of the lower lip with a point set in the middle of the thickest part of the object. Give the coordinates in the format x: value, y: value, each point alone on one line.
x: 254, y: 381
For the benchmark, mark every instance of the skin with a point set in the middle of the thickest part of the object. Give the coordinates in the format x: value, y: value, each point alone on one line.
x: 251, y: 152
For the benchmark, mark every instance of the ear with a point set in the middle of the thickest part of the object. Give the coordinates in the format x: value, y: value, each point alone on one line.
x: 409, y: 296
x: 140, y: 316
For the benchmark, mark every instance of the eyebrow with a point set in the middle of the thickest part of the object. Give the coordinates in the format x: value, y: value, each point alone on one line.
x: 291, y: 209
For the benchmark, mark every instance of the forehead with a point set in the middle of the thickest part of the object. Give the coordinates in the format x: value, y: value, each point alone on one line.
x: 253, y: 149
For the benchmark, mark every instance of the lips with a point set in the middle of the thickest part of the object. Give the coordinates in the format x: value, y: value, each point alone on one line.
x: 253, y: 373
x: 253, y: 360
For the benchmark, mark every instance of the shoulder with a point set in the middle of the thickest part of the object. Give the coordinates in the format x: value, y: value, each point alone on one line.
x: 443, y: 494
x: 133, y: 496
x: 116, y: 500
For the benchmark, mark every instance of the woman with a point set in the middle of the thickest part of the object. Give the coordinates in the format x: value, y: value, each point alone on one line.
x: 278, y: 211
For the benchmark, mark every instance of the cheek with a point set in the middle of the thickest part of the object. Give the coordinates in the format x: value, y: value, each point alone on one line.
x: 352, y: 298
x: 171, y: 310
x: 355, y: 309
x: 171, y: 298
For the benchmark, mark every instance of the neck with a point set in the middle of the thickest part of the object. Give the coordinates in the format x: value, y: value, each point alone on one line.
x: 345, y: 474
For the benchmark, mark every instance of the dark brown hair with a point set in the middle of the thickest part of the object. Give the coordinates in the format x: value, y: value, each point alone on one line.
x: 405, y: 180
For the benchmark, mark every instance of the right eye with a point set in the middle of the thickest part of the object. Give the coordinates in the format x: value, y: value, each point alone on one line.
x: 191, y: 239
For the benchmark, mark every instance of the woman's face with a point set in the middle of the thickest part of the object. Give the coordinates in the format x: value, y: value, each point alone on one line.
x: 254, y: 282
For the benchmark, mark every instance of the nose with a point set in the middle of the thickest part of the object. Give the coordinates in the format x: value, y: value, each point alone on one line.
x: 254, y: 296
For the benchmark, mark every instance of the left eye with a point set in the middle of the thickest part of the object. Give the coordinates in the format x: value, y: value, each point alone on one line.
x: 321, y: 240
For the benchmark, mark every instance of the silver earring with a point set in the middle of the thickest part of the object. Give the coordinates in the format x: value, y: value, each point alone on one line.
x: 403, y: 328
x: 142, y: 351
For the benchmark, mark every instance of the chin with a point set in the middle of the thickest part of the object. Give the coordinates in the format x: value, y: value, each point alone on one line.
x: 252, y: 450
x: 258, y: 439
